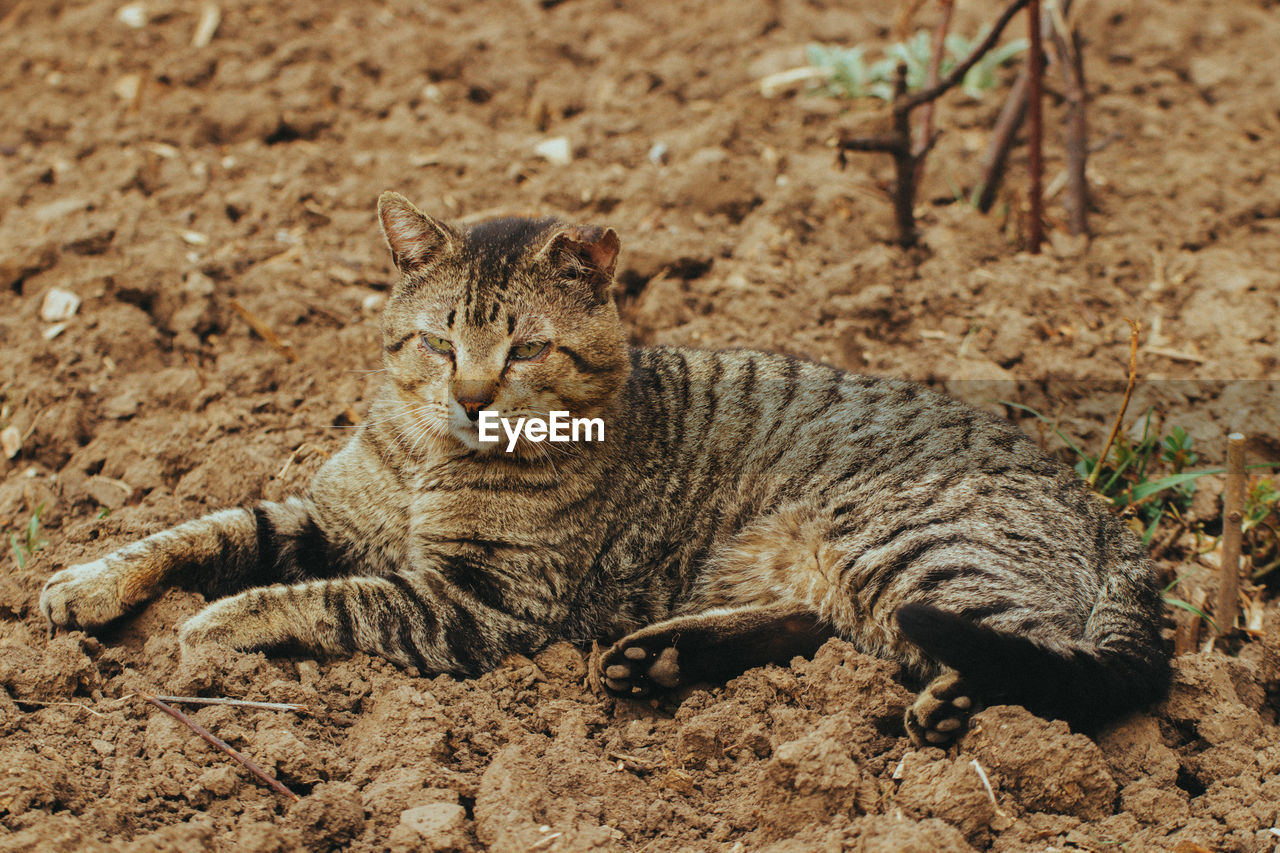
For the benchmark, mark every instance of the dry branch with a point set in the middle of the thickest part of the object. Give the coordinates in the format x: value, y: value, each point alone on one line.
x: 924, y: 135
x: 1011, y: 117
x: 956, y: 74
x: 1035, y: 129
x: 264, y: 331
x: 898, y: 142
x: 220, y: 745
x: 1232, y: 517
x: 1070, y: 60
x: 239, y: 703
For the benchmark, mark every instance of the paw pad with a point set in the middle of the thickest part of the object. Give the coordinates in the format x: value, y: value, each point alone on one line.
x: 941, y: 712
x: 635, y: 671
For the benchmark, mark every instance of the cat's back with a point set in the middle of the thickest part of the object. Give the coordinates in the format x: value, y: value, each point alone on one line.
x: 758, y: 412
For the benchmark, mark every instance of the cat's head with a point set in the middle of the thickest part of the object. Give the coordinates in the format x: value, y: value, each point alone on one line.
x: 514, y: 316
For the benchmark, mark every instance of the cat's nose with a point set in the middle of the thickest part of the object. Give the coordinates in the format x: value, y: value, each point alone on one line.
x: 473, y: 397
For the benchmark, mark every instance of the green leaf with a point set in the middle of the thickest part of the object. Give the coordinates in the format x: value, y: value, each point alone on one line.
x: 18, y: 552
x: 1144, y: 490
x: 1178, y: 602
x: 1150, y: 532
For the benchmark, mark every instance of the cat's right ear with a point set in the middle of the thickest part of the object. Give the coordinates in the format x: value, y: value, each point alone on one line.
x: 415, y: 239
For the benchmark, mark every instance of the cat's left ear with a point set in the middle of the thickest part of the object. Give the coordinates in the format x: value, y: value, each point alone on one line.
x: 588, y: 253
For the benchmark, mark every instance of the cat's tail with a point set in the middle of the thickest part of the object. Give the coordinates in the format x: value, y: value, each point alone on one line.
x: 1119, y: 667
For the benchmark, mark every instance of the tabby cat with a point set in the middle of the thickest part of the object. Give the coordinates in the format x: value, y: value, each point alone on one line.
x: 741, y: 508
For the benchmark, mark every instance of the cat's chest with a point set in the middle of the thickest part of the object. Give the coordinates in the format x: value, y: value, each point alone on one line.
x: 480, y: 514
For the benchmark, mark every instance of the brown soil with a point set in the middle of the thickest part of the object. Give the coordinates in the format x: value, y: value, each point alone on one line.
x: 159, y: 181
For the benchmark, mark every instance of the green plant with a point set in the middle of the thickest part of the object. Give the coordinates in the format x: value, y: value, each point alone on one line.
x: 1172, y: 600
x: 1261, y: 527
x: 850, y: 75
x: 1144, y: 479
x: 28, y: 541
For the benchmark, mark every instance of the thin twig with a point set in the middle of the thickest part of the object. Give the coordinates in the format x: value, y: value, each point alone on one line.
x: 1070, y: 61
x: 902, y: 20
x: 997, y: 153
x: 1232, y: 516
x: 221, y: 745
x: 1011, y: 117
x: 546, y: 841
x: 1135, y: 329
x: 956, y: 74
x: 924, y: 133
x: 986, y: 784
x: 264, y: 331
x: 1035, y: 128
x: 79, y: 705
x: 907, y: 157
x: 239, y: 703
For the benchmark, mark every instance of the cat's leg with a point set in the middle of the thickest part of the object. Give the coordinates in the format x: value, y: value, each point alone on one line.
x: 427, y: 624
x: 715, y: 645
x: 218, y: 554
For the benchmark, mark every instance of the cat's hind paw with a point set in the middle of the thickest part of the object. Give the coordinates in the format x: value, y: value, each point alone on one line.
x: 635, y: 668
x: 83, y: 596
x: 941, y: 712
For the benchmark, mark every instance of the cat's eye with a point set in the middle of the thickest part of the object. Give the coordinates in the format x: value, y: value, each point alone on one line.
x: 439, y: 345
x: 528, y: 351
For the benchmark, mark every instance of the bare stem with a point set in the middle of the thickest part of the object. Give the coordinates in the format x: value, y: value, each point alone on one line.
x: 993, y: 159
x: 1011, y: 117
x: 925, y: 132
x: 906, y: 156
x: 1135, y: 330
x: 1070, y: 60
x: 956, y: 74
x: 1232, y: 516
x: 220, y: 745
x: 1035, y: 128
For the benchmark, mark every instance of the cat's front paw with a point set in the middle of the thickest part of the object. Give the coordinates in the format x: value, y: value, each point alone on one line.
x: 83, y: 596
x: 244, y: 621
x: 220, y: 623
x: 941, y: 712
x: 638, y: 666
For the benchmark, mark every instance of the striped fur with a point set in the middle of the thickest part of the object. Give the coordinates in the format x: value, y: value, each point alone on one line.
x: 742, y: 507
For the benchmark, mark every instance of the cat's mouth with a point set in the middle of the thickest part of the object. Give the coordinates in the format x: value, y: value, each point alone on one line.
x: 522, y: 433
x: 467, y: 432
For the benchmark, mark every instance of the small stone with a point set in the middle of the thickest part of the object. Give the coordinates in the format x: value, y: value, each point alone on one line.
x: 58, y: 209
x: 442, y: 826
x: 102, y: 747
x: 133, y: 15
x: 59, y: 305
x: 555, y: 151
x: 108, y: 492
x: 126, y: 88
x: 10, y: 441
